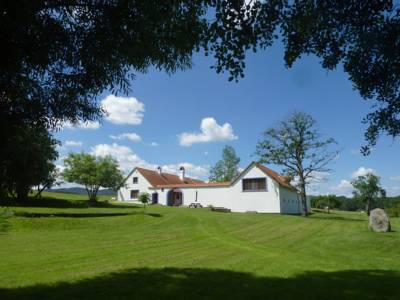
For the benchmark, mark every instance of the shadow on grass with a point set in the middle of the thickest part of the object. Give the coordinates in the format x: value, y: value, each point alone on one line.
x: 80, y: 215
x: 173, y: 283
x: 62, y: 203
x: 332, y: 215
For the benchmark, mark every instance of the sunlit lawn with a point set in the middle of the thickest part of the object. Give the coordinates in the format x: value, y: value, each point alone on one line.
x: 65, y: 250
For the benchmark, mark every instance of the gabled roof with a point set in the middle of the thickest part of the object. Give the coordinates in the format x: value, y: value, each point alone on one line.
x: 282, y: 180
x: 177, y: 183
x: 156, y: 179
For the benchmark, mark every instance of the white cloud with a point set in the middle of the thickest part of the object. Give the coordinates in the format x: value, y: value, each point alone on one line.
x: 191, y: 170
x: 395, y: 178
x: 210, y: 131
x: 154, y: 144
x: 123, y: 110
x: 362, y: 171
x: 82, y: 125
x: 127, y: 136
x: 73, y: 143
x: 128, y: 160
x: 343, y: 188
x: 355, y: 151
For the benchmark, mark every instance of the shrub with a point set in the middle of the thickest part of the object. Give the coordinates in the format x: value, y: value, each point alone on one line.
x: 144, y: 198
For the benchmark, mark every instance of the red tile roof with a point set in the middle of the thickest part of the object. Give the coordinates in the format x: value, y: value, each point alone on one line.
x: 173, y: 181
x: 195, y: 184
x: 282, y: 180
x: 156, y: 179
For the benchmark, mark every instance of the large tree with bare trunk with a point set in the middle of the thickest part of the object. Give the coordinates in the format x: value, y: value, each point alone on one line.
x: 297, y: 146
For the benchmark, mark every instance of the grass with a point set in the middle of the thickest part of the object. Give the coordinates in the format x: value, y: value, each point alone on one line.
x: 62, y: 249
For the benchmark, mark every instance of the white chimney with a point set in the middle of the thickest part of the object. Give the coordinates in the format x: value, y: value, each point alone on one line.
x: 182, y: 175
x: 159, y: 170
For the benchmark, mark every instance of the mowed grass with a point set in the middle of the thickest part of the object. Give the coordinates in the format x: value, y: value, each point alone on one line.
x: 66, y: 250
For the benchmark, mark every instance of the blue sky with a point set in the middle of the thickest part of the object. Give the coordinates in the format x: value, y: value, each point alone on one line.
x: 146, y: 126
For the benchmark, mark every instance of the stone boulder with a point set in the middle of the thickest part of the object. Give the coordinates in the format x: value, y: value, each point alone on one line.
x: 379, y: 220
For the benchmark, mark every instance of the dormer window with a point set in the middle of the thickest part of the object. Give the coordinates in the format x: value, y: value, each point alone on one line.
x: 135, y: 179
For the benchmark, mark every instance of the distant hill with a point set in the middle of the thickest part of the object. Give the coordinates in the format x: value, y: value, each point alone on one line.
x: 79, y: 190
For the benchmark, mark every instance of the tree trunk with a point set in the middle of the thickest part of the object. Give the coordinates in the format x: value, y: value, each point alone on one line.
x: 303, y: 197
x: 22, y: 193
x: 368, y: 207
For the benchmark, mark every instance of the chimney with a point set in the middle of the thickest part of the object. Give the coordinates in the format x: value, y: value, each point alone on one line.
x: 159, y: 170
x: 182, y: 175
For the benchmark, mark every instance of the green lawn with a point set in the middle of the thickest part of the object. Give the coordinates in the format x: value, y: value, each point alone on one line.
x: 62, y: 249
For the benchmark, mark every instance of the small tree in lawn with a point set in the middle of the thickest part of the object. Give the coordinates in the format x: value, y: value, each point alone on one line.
x: 297, y: 145
x: 93, y: 172
x: 225, y: 169
x: 368, y: 190
x: 144, y: 198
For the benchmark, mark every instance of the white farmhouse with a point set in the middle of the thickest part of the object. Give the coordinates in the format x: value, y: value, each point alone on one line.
x: 257, y: 189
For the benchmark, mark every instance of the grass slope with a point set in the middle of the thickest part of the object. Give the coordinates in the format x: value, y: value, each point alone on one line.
x: 65, y: 250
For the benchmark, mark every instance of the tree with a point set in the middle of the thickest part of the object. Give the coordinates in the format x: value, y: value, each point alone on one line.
x: 50, y: 180
x: 296, y: 145
x: 227, y: 168
x: 28, y: 161
x: 93, y: 172
x: 367, y: 190
x: 144, y: 198
x: 61, y: 54
x: 329, y: 200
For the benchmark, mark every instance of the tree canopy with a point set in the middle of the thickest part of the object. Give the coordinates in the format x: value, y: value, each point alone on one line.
x: 227, y: 168
x: 93, y: 172
x: 367, y: 189
x: 296, y: 145
x: 61, y: 54
x: 27, y: 160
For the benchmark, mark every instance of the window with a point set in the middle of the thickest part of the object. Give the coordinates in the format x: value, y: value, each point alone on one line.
x: 254, y: 184
x: 134, y: 194
x: 135, y: 179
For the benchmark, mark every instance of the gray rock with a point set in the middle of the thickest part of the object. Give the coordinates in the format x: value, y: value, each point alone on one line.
x: 379, y: 221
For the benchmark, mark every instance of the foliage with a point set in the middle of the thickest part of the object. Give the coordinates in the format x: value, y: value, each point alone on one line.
x: 144, y: 198
x: 296, y: 145
x: 330, y: 201
x: 187, y: 249
x: 93, y: 172
x: 367, y: 190
x: 52, y: 179
x: 227, y: 168
x: 60, y: 56
x: 27, y: 160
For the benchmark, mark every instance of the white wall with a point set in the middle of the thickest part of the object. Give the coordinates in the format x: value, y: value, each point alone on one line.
x: 290, y: 202
x: 124, y: 194
x: 233, y: 197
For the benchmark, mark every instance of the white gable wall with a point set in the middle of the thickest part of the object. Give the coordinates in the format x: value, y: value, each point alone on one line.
x: 124, y: 194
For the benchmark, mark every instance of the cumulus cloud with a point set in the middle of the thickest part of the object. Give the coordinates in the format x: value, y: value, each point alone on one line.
x: 72, y: 143
x: 362, y: 171
x: 123, y: 110
x: 210, y: 131
x: 395, y: 178
x: 128, y: 160
x: 191, y: 170
x: 127, y: 136
x: 82, y: 125
x: 343, y: 188
x: 154, y: 144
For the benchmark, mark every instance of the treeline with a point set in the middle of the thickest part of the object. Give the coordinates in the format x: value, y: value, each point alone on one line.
x: 390, y: 204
